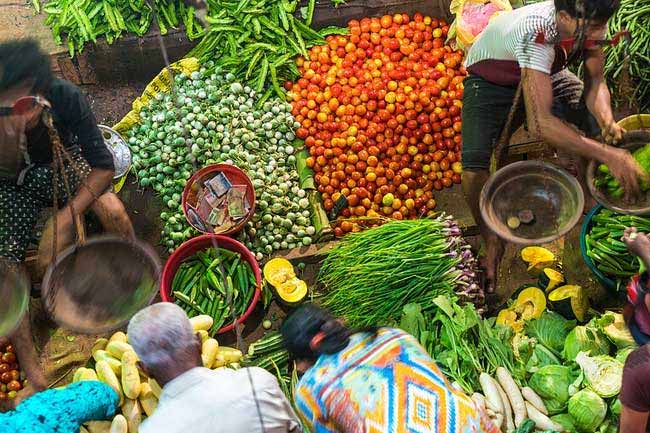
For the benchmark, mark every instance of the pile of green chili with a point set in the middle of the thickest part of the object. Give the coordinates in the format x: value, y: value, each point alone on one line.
x: 369, y: 276
x: 214, y: 284
x: 634, y: 16
x: 605, y: 247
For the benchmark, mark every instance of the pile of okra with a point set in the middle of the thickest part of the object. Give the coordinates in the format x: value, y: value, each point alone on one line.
x: 214, y: 283
x: 605, y: 245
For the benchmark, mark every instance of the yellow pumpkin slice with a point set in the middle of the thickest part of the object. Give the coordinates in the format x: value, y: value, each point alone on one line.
x: 530, y: 303
x: 280, y: 274
x: 536, y: 256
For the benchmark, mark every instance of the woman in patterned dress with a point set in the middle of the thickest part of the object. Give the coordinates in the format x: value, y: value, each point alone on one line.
x: 372, y: 380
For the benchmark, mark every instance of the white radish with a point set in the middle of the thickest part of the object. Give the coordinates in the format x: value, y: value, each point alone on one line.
x: 479, y: 401
x: 492, y: 397
x: 512, y: 391
x: 508, y: 422
x: 534, y: 399
x: 542, y: 422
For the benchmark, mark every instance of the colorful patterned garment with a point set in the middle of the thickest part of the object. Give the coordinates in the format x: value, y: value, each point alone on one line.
x: 386, y: 385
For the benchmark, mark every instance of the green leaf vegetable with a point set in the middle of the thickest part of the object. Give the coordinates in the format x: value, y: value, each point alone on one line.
x: 552, y: 384
x: 614, y: 327
x: 371, y: 275
x: 565, y: 420
x: 603, y: 373
x: 588, y: 410
x: 541, y: 357
x: 550, y: 330
x: 622, y: 354
x: 585, y: 339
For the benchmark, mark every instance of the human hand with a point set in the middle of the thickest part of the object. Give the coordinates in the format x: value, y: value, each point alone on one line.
x: 612, y: 132
x: 626, y: 170
x: 637, y: 243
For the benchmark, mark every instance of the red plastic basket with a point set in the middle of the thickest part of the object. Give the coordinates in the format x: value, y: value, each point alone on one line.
x: 236, y: 176
x: 200, y: 243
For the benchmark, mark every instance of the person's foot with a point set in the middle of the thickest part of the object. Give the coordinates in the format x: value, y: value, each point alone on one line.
x: 493, y: 254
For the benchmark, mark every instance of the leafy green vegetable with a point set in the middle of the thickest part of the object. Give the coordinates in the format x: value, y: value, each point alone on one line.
x: 551, y: 330
x: 565, y: 420
x: 603, y: 373
x: 615, y: 407
x: 614, y: 327
x: 585, y: 339
x: 588, y: 410
x: 541, y: 357
x: 552, y: 384
x: 622, y: 354
x: 414, y: 323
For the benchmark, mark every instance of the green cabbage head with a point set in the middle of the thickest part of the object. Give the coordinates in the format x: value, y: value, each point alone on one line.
x: 585, y: 339
x: 588, y: 410
x: 622, y: 354
x: 565, y: 420
x: 552, y: 382
x: 603, y: 373
x: 614, y: 327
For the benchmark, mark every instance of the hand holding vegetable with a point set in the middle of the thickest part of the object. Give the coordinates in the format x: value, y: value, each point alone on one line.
x: 637, y: 243
x: 625, y: 169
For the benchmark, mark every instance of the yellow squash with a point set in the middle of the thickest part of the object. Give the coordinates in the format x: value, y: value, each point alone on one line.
x: 537, y: 257
x: 280, y: 274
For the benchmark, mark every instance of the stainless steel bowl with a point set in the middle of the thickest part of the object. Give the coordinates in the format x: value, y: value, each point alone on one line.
x: 631, y: 141
x: 552, y: 195
x: 118, y: 148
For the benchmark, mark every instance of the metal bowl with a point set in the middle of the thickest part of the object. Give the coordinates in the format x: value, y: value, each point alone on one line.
x: 552, y: 195
x: 631, y: 141
x: 14, y: 295
x: 118, y: 148
x: 98, y: 286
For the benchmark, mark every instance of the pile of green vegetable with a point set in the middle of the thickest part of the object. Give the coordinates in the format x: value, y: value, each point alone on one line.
x: 369, y: 276
x: 607, y: 250
x: 87, y: 21
x: 630, y: 78
x: 605, y: 180
x: 257, y: 40
x: 209, y: 117
x: 462, y: 343
x: 219, y: 284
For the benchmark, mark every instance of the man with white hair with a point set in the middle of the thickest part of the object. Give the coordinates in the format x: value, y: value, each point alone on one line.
x: 196, y: 399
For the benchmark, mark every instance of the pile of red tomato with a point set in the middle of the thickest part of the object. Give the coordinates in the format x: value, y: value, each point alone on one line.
x: 380, y: 112
x: 10, y: 379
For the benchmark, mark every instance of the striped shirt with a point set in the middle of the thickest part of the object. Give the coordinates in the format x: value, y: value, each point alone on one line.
x: 508, y: 44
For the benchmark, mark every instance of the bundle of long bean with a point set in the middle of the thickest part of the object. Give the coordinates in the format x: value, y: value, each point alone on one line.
x: 257, y: 40
x: 214, y: 284
x: 372, y: 274
x: 87, y: 20
x: 634, y: 16
x: 604, y: 245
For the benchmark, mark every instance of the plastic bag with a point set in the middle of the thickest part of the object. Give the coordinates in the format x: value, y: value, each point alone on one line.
x: 162, y: 83
x: 472, y: 16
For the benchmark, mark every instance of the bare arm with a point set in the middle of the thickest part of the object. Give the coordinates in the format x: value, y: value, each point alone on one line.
x: 597, y: 96
x: 538, y: 97
x: 633, y: 421
x: 98, y: 180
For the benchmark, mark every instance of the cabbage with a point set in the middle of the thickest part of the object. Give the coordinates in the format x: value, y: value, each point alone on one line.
x: 585, y: 339
x: 614, y: 327
x: 551, y: 330
x: 603, y: 373
x: 565, y: 420
x: 615, y: 407
x: 588, y: 410
x: 552, y: 384
x: 541, y: 357
x: 622, y: 354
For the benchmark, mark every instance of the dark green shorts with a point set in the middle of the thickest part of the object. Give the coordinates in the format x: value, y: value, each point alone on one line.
x: 486, y: 107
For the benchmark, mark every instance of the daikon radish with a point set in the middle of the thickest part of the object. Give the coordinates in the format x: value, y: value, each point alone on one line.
x: 514, y: 395
x: 492, y: 397
x: 508, y: 418
x: 534, y: 399
x: 542, y: 422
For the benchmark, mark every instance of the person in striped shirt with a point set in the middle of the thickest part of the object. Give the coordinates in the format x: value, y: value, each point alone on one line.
x: 533, y: 45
